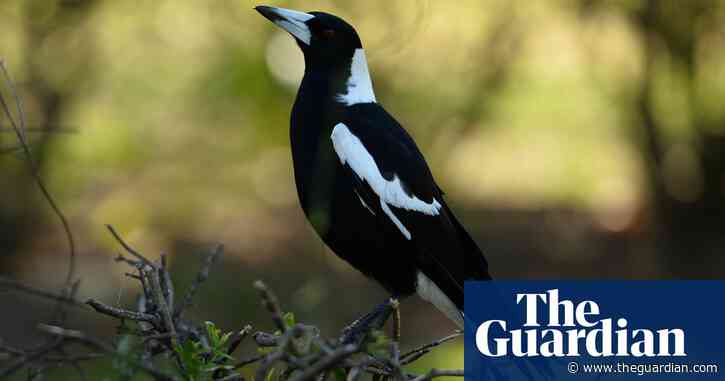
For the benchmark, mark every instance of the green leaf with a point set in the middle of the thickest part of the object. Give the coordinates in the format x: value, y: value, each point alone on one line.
x: 377, y: 344
x: 340, y: 374
x: 124, y: 345
x: 226, y: 337
x: 121, y: 363
x: 190, y: 354
x: 213, y: 333
x: 289, y: 319
x: 270, y: 375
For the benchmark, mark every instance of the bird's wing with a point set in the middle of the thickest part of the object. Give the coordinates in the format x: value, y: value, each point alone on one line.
x: 392, y: 178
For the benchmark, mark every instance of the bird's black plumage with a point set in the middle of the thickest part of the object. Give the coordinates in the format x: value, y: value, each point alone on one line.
x: 362, y: 181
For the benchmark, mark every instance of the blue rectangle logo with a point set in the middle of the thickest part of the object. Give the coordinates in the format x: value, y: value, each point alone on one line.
x: 595, y: 330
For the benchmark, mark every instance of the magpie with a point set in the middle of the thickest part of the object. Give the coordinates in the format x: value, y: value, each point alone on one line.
x: 362, y: 182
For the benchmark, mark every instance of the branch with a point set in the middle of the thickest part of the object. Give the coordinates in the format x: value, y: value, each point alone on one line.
x: 19, y: 286
x: 29, y: 358
x: 161, y: 303
x: 434, y: 373
x: 295, y: 350
x: 100, y: 345
x: 327, y: 362
x: 201, y: 277
x: 121, y: 313
x: 249, y: 360
x: 128, y: 248
x: 19, y: 128
x: 417, y: 353
x: 270, y: 302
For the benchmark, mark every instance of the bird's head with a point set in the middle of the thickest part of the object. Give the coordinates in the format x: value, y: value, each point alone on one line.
x: 323, y: 38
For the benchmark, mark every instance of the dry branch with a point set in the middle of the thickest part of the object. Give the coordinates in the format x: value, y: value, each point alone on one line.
x: 120, y: 313
x: 294, y: 352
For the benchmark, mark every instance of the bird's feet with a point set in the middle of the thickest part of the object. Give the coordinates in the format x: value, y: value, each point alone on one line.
x: 374, y: 319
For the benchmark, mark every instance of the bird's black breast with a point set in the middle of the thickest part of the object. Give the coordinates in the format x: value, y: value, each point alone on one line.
x: 331, y: 198
x: 353, y: 230
x: 391, y: 237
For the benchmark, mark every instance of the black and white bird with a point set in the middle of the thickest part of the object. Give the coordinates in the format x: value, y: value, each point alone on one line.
x: 362, y: 181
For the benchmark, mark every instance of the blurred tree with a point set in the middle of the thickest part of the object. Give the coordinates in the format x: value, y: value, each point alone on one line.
x: 681, y: 135
x: 55, y: 60
x: 692, y: 219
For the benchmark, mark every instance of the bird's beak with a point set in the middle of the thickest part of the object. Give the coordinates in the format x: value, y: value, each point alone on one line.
x: 289, y: 20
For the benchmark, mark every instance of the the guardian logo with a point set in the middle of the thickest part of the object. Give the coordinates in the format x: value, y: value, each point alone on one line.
x: 572, y: 330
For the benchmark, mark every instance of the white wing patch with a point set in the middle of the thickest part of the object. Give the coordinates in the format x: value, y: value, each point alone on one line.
x: 352, y: 152
x: 359, y: 85
x: 396, y: 221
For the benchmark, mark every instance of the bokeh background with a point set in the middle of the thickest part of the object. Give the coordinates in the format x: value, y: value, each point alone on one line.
x: 575, y: 139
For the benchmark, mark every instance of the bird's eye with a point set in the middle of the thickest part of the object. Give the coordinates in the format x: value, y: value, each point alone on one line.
x: 328, y: 34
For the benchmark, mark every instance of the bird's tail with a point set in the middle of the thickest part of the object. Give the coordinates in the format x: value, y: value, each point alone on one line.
x: 474, y: 263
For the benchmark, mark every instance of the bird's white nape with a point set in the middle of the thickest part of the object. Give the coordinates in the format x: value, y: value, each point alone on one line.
x: 352, y: 152
x: 359, y: 84
x: 430, y: 292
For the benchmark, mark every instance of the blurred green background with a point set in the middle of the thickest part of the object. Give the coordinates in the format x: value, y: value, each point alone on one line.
x: 574, y: 138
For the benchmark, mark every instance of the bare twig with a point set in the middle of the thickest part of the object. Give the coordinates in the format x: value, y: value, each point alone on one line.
x: 327, y: 362
x: 166, y: 285
x: 270, y: 302
x: 161, y: 303
x: 237, y: 339
x: 19, y: 286
x: 159, y: 336
x: 19, y: 105
x: 100, y: 345
x: 131, y: 262
x: 434, y: 373
x: 49, y: 129
x: 407, y: 357
x: 264, y: 339
x: 354, y: 373
x: 121, y: 313
x: 267, y: 363
x: 29, y: 358
x: 128, y: 248
x: 396, y: 319
x: 19, y: 128
x: 249, y: 360
x: 201, y: 277
x: 397, y: 371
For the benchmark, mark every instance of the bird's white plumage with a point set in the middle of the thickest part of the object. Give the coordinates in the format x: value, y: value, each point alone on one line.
x: 395, y: 219
x: 294, y: 23
x: 430, y: 292
x: 352, y: 152
x: 359, y: 85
